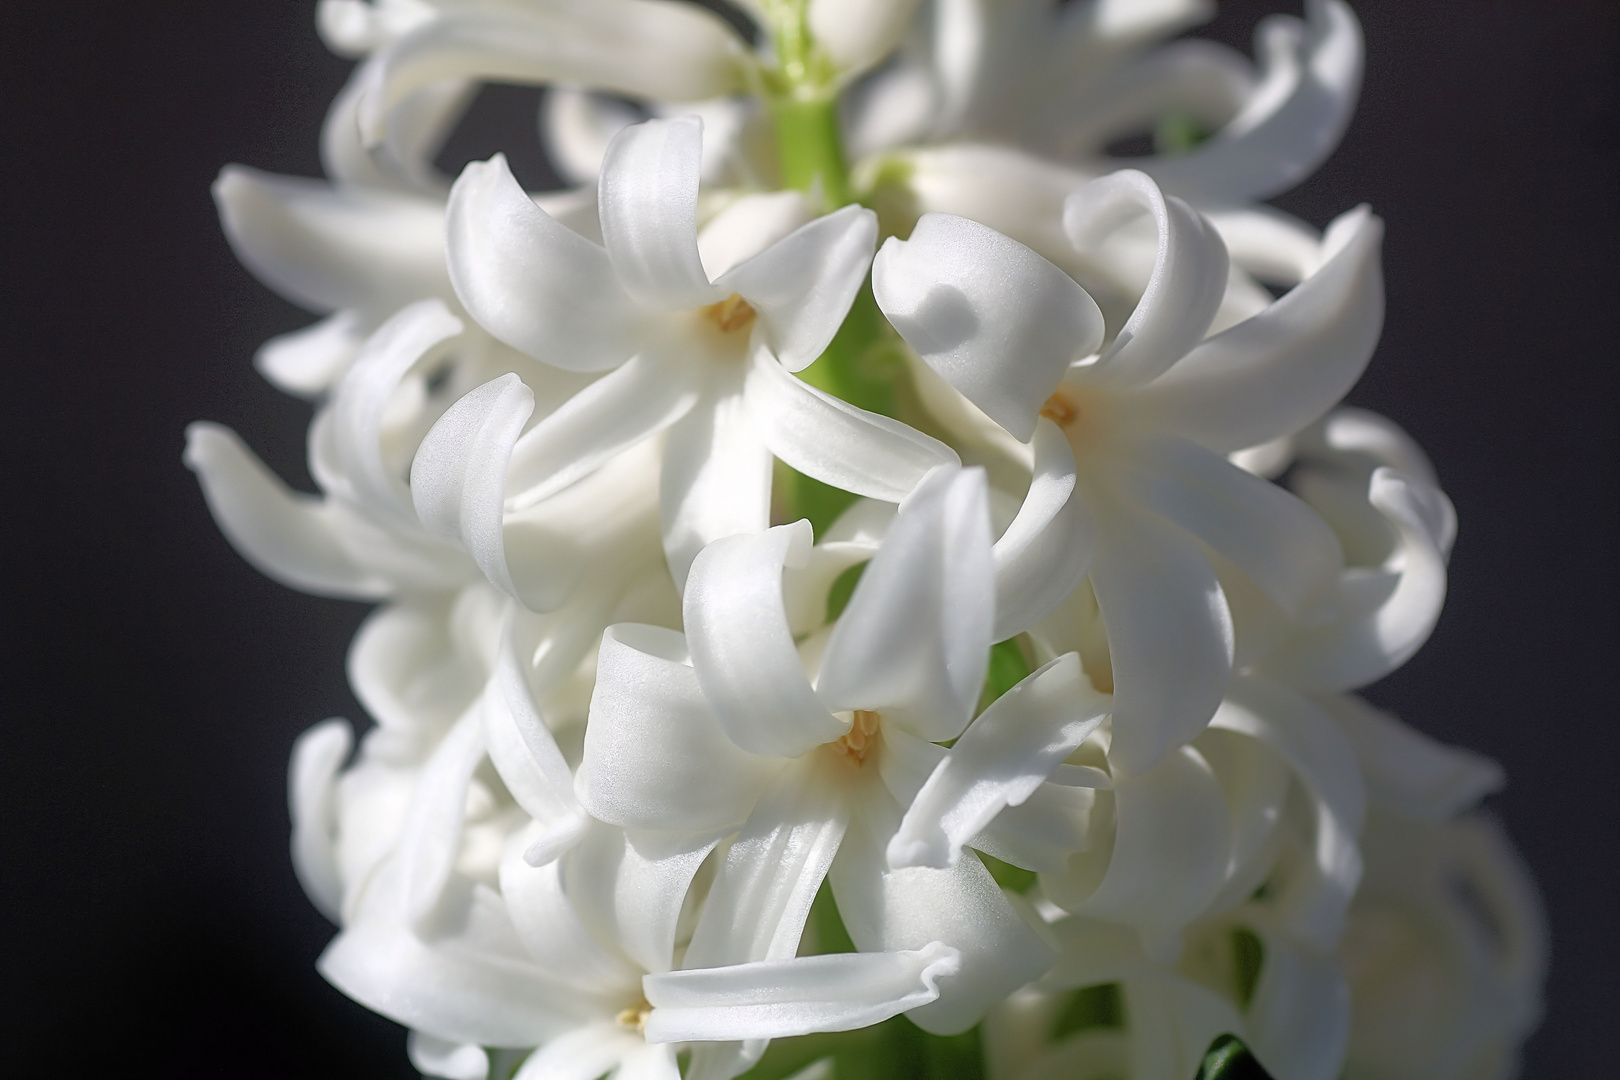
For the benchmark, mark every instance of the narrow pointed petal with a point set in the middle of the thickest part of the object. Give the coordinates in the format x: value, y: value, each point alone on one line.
x: 1298, y: 1022
x: 716, y: 477
x: 617, y: 411
x: 999, y: 761
x: 642, y: 48
x: 327, y: 248
x: 526, y: 756
x: 1168, y: 858
x: 474, y: 985
x: 1358, y: 649
x: 317, y: 756
x: 586, y: 1053
x: 835, y: 442
x: 802, y: 286
x: 915, y: 638
x: 1163, y: 612
x: 761, y: 895
x: 1000, y: 947
x: 1276, y: 372
x: 1322, y: 758
x: 776, y: 999
x: 1270, y: 535
x: 631, y: 889
x: 364, y: 394
x: 1189, y: 272
x: 1405, y: 770
x: 306, y: 362
x: 431, y: 832
x: 746, y: 661
x: 286, y: 535
x: 553, y: 927
x: 997, y: 321
x: 458, y: 479
x: 1045, y: 553
x: 655, y: 759
x: 1311, y: 77
x: 648, y: 199
x: 531, y: 281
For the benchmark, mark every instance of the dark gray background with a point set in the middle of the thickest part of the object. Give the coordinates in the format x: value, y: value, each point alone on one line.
x: 152, y: 682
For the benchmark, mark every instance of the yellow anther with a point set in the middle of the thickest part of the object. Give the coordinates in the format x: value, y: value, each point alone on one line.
x: 635, y: 1017
x: 732, y: 313
x: 1060, y: 409
x: 858, y: 741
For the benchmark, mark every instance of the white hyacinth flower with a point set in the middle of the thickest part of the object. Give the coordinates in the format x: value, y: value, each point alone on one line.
x: 722, y: 732
x: 1145, y: 423
x: 695, y: 333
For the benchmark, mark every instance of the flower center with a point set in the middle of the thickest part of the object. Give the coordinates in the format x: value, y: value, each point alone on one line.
x: 731, y: 314
x: 861, y: 737
x: 1061, y: 409
x: 635, y: 1017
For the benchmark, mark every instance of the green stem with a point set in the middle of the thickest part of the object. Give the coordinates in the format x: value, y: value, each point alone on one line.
x: 810, y: 147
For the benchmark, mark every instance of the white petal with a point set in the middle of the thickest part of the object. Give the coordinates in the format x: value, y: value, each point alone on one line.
x: 915, y: 638
x: 835, y: 442
x: 802, y: 286
x: 644, y: 49
x: 328, y: 248
x: 1298, y: 1022
x: 716, y: 477
x: 757, y: 906
x: 458, y: 479
x: 286, y: 535
x: 576, y: 128
x: 1273, y: 246
x: 586, y: 1053
x: 649, y: 1063
x: 748, y: 225
x: 631, y: 890
x: 1189, y: 272
x: 1045, y: 553
x: 431, y: 832
x: 1322, y: 759
x: 443, y: 1058
x: 999, y: 761
x: 409, y: 672
x: 1163, y: 612
x: 997, y: 321
x: 1274, y: 373
x: 654, y: 756
x: 474, y: 986
x: 1168, y: 859
x: 774, y: 999
x: 306, y: 362
x: 1356, y: 650
x: 648, y: 198
x: 1405, y: 770
x: 736, y: 627
x: 1045, y: 829
x: 1308, y: 89
x: 526, y: 756
x: 1267, y: 533
x: 364, y: 394
x: 614, y: 413
x: 552, y: 924
x: 858, y: 34
x: 531, y: 281
x: 317, y: 755
x: 1001, y: 948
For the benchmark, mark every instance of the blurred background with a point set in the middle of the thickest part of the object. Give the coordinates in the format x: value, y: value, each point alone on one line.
x: 151, y: 683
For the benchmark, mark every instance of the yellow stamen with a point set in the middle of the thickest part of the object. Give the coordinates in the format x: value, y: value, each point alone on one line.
x: 732, y: 313
x: 858, y: 741
x: 635, y: 1017
x: 1061, y: 409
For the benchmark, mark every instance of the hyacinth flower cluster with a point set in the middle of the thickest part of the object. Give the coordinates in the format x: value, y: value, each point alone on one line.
x: 868, y: 582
